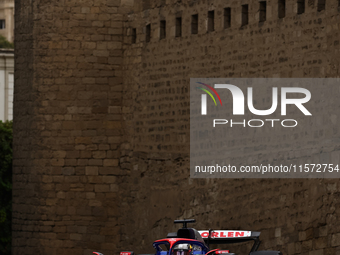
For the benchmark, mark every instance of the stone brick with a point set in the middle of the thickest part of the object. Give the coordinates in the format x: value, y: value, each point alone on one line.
x: 110, y: 162
x: 335, y: 240
x: 101, y: 188
x: 91, y: 170
x: 95, y: 203
x: 77, y: 237
x: 95, y: 162
x: 90, y: 195
x: 321, y: 243
x: 68, y: 170
x: 316, y: 252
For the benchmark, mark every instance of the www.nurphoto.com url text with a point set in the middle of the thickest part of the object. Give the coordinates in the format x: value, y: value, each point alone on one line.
x: 268, y: 168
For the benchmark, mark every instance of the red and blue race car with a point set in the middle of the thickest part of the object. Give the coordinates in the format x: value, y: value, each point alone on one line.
x: 189, y: 241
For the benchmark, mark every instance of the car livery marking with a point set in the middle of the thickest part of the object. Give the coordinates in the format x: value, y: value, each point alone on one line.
x: 224, y: 233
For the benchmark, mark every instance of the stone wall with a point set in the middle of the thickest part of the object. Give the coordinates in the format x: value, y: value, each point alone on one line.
x: 295, y: 216
x: 102, y: 124
x: 68, y: 98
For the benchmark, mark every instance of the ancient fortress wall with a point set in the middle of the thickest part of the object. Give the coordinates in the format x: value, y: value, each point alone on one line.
x: 68, y: 96
x: 101, y: 149
x: 296, y: 216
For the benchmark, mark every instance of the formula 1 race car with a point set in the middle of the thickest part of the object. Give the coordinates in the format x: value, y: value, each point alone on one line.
x: 189, y: 241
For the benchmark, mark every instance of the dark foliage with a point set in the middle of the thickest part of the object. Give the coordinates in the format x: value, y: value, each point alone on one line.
x: 6, y: 136
x: 5, y: 44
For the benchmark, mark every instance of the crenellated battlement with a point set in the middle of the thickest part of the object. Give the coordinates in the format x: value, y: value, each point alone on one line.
x: 202, y: 17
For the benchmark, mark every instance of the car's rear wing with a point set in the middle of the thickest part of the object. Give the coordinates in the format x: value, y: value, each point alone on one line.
x: 230, y: 236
